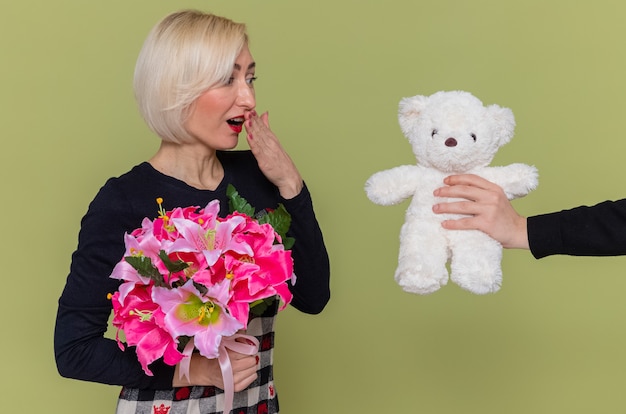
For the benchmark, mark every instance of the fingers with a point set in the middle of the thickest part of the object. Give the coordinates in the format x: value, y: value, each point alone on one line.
x: 245, y: 369
x: 205, y: 371
x: 272, y: 159
x: 484, y: 206
x: 473, y: 188
x: 459, y: 224
x: 260, y: 137
x: 469, y: 180
x: 459, y: 191
x: 466, y: 186
x: 457, y: 207
x: 265, y: 117
x: 258, y: 126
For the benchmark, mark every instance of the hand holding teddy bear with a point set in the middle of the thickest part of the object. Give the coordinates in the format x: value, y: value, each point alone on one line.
x: 450, y: 133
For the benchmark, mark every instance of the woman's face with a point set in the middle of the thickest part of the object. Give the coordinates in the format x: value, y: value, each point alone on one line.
x: 217, y: 115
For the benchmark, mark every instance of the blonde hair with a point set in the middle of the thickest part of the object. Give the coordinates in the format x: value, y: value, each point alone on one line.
x: 185, y: 54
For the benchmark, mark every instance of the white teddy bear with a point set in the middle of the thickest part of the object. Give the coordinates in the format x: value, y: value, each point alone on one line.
x: 450, y: 132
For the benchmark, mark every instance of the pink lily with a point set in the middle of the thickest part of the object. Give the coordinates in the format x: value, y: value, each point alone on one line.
x: 271, y: 266
x: 212, y: 241
x: 143, y: 324
x: 203, y: 316
x: 148, y: 247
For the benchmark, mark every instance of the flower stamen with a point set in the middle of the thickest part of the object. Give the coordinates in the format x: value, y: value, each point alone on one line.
x: 159, y: 201
x: 144, y: 316
x: 205, y: 312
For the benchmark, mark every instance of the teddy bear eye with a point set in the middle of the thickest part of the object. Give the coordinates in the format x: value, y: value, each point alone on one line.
x: 434, y: 133
x: 473, y: 137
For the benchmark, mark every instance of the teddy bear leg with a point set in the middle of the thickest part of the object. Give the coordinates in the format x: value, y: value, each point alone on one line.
x: 476, y: 261
x: 422, y: 258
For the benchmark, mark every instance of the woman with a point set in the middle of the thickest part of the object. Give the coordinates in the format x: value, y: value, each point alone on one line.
x: 194, y: 83
x: 582, y: 231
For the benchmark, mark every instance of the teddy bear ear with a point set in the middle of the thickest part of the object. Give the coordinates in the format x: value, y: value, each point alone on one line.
x: 410, y: 109
x: 504, y: 122
x: 412, y: 106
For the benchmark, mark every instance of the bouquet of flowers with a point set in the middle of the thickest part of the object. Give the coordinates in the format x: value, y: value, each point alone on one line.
x: 191, y: 279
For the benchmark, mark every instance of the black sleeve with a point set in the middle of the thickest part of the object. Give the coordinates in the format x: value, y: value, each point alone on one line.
x: 311, y: 292
x: 81, y: 350
x: 598, y: 230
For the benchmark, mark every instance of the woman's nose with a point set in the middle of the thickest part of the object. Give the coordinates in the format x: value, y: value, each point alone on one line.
x: 245, y: 97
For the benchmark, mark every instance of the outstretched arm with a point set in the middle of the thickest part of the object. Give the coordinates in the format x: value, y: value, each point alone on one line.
x: 487, y: 207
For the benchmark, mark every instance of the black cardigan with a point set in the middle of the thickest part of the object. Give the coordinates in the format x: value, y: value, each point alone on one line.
x: 81, y: 350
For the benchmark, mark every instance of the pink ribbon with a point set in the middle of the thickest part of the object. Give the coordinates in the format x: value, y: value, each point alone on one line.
x: 231, y: 343
x: 184, y: 364
x: 227, y: 370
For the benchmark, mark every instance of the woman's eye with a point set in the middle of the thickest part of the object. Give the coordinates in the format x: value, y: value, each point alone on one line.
x: 250, y: 81
x: 434, y: 133
x: 473, y: 137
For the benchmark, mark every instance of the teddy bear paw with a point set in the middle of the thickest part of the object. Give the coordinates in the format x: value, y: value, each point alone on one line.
x: 420, y: 284
x: 479, y: 282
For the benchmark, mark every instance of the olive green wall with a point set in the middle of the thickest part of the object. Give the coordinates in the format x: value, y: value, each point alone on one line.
x: 331, y: 73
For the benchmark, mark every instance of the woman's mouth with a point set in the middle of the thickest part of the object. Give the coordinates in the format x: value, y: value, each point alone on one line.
x: 236, y: 124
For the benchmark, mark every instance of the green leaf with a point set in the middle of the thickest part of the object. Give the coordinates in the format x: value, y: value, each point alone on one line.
x: 183, y: 340
x: 288, y: 242
x: 279, y: 219
x: 172, y: 267
x: 201, y: 288
x: 143, y: 265
x: 237, y: 202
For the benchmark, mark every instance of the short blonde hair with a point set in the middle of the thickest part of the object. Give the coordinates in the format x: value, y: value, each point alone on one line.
x: 185, y: 54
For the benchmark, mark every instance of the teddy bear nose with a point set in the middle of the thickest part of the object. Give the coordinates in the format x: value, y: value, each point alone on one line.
x: 451, y: 142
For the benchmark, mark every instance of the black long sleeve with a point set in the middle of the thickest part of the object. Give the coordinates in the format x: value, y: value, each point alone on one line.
x: 598, y: 230
x: 310, y: 293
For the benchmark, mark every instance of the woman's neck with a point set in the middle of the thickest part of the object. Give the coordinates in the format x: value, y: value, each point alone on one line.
x: 198, y: 168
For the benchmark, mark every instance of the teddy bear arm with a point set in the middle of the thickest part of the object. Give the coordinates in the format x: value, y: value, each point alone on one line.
x: 392, y: 186
x: 516, y: 180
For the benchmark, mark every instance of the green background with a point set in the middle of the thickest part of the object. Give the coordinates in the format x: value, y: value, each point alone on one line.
x: 332, y: 73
